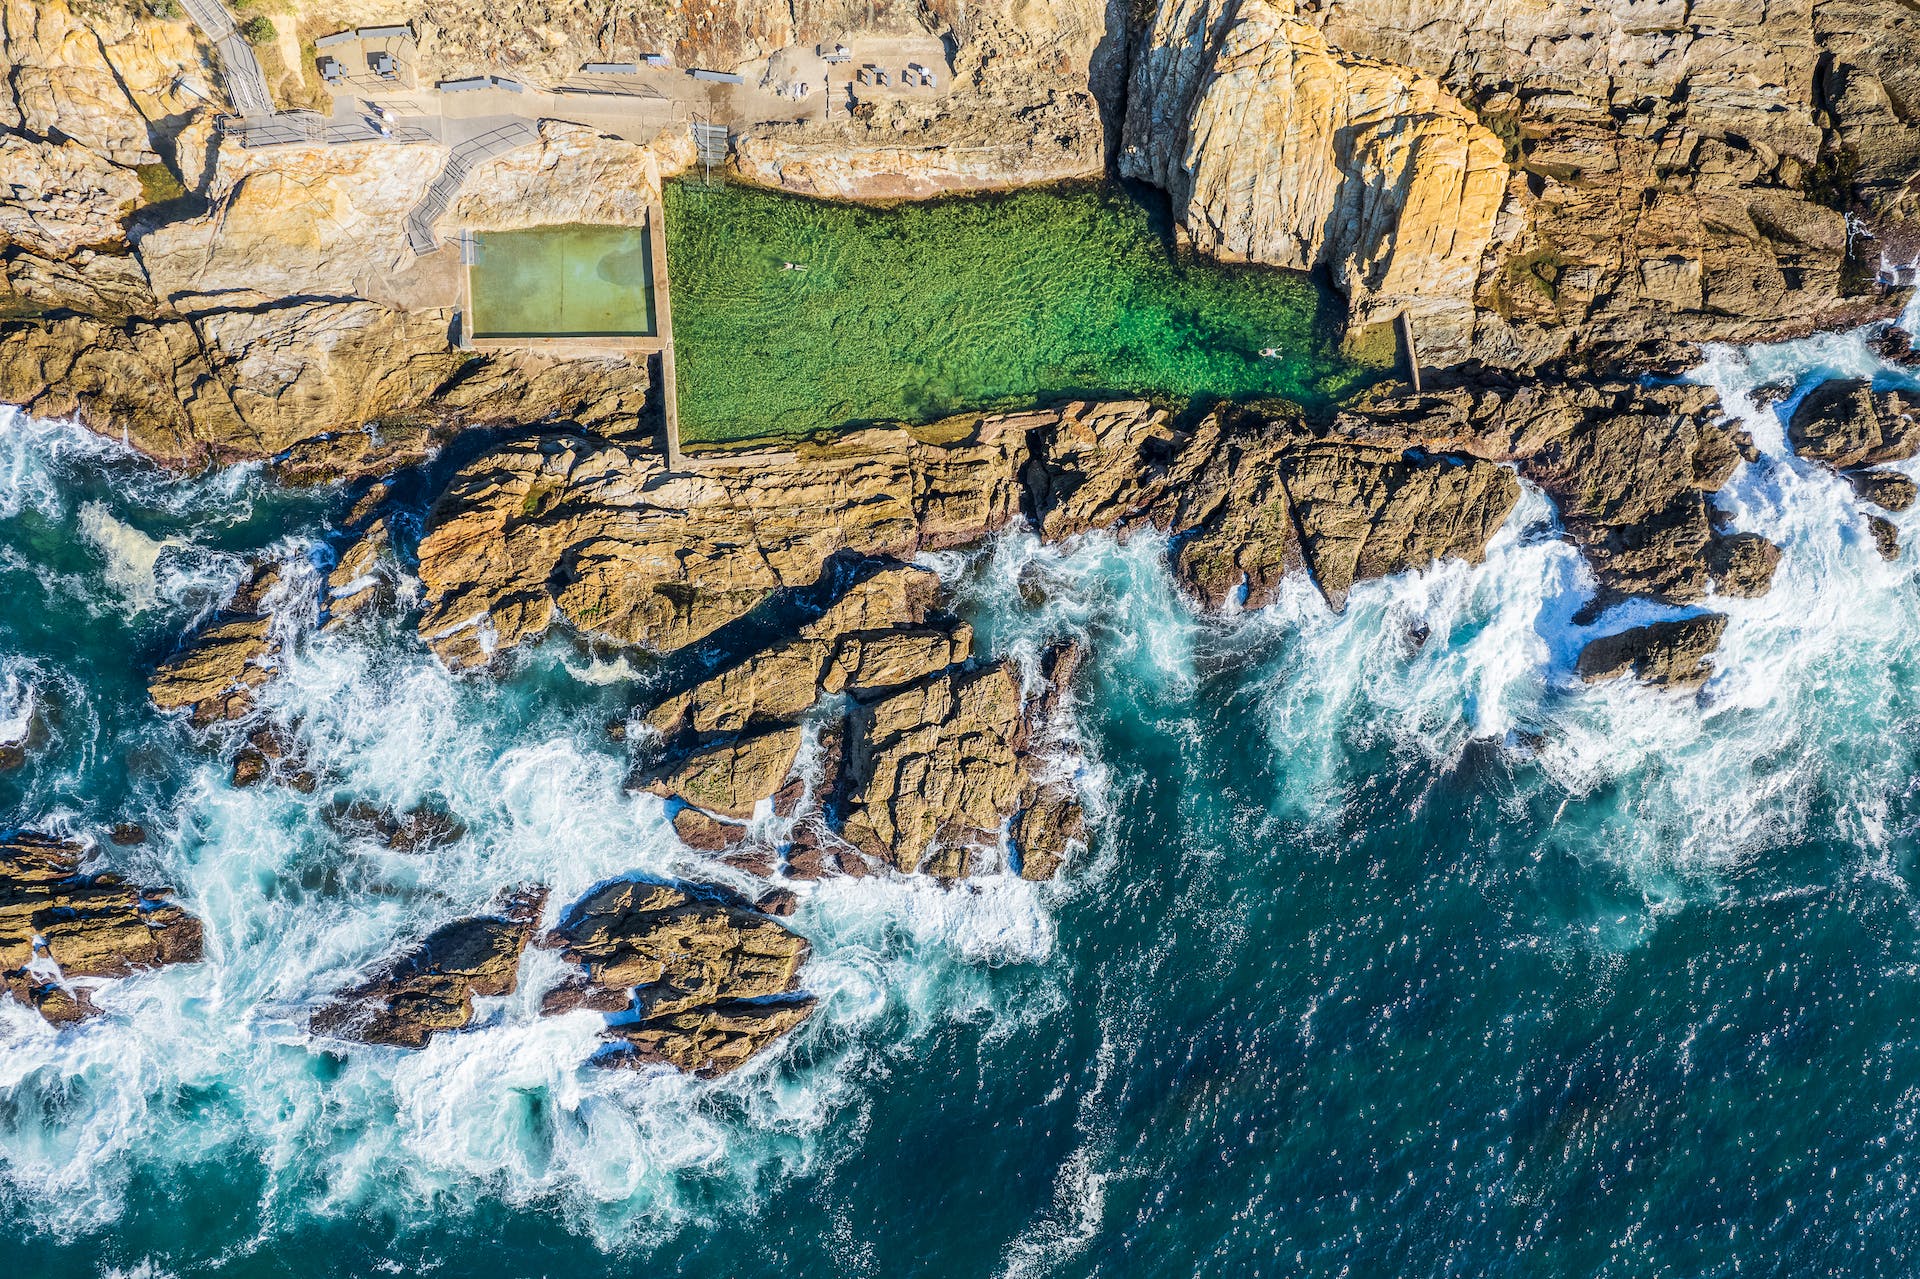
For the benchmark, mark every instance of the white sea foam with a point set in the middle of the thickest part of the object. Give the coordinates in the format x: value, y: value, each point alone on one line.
x: 292, y: 911
x: 132, y: 557
x: 16, y: 704
x: 511, y: 1109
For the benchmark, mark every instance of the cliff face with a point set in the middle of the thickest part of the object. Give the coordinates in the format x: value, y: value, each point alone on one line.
x: 1680, y: 170
x: 1277, y: 148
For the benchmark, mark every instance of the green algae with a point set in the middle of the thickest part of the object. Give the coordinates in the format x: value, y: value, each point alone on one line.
x: 915, y: 312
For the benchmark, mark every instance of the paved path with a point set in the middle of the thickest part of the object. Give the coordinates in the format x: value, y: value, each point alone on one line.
x: 246, y: 86
x: 460, y: 162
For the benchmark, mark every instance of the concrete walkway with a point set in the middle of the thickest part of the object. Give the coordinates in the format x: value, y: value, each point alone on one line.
x: 246, y: 86
x: 508, y: 133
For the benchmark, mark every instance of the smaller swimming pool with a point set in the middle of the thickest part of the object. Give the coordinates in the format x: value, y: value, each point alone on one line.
x: 562, y: 281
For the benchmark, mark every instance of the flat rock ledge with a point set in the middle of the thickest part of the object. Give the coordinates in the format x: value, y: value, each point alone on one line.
x: 58, y: 923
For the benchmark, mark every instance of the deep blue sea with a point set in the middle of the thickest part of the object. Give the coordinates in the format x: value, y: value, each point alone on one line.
x: 1387, y: 959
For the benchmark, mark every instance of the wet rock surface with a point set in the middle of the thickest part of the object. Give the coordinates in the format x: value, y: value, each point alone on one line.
x: 1845, y: 423
x: 711, y: 980
x: 217, y: 669
x: 1886, y: 537
x: 1630, y: 467
x: 1666, y: 654
x: 58, y: 923
x: 430, y: 989
x: 1255, y: 498
x: 1888, y: 490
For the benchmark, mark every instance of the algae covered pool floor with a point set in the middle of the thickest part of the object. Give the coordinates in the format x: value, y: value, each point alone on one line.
x: 915, y: 312
x: 562, y: 281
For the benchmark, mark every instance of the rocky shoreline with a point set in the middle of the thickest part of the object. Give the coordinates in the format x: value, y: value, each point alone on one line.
x: 1558, y: 203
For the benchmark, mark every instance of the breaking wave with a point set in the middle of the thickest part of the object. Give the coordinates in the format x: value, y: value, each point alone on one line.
x: 210, y: 1065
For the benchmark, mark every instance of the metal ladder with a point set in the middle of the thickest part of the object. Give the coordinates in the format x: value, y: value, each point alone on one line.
x: 710, y: 143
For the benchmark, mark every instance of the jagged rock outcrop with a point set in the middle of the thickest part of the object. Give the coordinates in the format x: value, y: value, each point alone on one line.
x: 1629, y: 465
x: 730, y: 778
x: 361, y: 580
x: 431, y: 987
x: 215, y: 673
x: 570, y: 527
x: 937, y: 769
x: 1845, y: 423
x: 709, y: 1040
x: 57, y: 923
x: 117, y: 82
x: 1255, y: 498
x: 875, y: 636
x: 1886, y: 537
x: 1277, y: 148
x: 1680, y: 170
x: 1888, y: 490
x: 714, y: 982
x: 1669, y: 654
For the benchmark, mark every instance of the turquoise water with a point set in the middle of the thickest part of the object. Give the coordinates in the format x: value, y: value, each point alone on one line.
x: 1389, y: 959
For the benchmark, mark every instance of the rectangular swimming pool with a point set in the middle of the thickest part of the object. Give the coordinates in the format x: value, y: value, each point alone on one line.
x: 562, y: 281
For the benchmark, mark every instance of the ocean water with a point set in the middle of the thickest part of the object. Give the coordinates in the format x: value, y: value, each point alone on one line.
x: 1389, y: 957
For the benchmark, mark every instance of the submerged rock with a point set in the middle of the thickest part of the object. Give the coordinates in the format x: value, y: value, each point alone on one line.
x: 421, y: 829
x: 431, y: 987
x: 713, y: 981
x: 1666, y: 654
x: 276, y: 754
x: 57, y: 923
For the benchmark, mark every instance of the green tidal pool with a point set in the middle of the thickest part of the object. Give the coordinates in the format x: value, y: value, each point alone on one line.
x: 562, y: 281
x: 794, y: 316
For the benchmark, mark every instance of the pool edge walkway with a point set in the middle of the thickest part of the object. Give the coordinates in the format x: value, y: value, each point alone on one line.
x: 663, y: 331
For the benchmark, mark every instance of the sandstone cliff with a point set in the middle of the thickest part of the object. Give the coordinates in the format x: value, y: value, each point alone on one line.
x: 1277, y: 148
